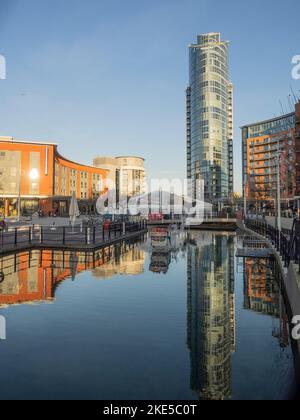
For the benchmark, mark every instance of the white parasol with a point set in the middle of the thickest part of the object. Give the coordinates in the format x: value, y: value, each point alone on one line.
x: 74, y: 210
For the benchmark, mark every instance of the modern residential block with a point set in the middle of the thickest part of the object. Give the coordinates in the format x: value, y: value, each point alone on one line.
x: 126, y: 173
x: 268, y: 147
x: 210, y: 118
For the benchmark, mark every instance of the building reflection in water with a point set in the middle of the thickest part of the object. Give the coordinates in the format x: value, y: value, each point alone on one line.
x: 129, y: 261
x: 263, y: 294
x: 33, y: 276
x: 211, y: 309
x: 211, y: 313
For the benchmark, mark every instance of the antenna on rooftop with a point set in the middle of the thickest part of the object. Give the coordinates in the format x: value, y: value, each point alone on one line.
x: 296, y: 99
x: 290, y: 103
x: 281, y: 106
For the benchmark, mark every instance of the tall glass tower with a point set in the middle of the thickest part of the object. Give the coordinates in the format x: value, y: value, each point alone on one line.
x: 209, y: 117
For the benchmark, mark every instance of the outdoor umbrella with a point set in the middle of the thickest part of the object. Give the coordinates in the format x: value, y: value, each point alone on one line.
x: 74, y: 210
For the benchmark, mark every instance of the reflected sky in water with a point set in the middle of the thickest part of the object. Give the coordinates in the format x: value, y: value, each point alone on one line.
x: 132, y: 322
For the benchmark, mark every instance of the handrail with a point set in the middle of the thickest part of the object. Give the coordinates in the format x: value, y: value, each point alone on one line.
x: 287, y: 243
x: 67, y: 235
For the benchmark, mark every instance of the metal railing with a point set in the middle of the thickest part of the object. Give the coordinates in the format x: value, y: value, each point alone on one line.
x: 80, y: 236
x: 287, y: 243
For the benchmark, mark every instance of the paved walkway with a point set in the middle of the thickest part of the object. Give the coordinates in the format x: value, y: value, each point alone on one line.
x: 285, y: 222
x: 44, y: 221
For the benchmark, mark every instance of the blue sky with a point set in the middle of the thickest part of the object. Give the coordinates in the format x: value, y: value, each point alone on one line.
x: 109, y: 77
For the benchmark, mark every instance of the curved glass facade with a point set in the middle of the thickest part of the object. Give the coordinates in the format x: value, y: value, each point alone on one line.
x: 208, y: 122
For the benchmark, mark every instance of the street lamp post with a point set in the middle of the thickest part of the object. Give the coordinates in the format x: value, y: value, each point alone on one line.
x: 19, y: 192
x: 279, y: 227
x: 278, y: 195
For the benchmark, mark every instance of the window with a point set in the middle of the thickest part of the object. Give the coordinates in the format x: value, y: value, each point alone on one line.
x: 13, y: 186
x: 34, y: 188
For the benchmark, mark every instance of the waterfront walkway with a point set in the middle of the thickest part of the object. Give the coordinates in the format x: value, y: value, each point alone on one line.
x: 213, y: 224
x: 286, y: 223
x: 45, y: 221
x: 67, y: 237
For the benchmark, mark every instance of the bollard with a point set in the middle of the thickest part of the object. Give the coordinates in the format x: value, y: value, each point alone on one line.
x: 64, y: 235
x: 16, y: 236
x: 298, y: 252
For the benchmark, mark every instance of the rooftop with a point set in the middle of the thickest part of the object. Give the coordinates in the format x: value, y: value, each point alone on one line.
x: 274, y: 119
x: 13, y: 140
x: 119, y: 157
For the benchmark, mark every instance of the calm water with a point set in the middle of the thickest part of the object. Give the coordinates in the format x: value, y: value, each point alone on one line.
x: 126, y: 323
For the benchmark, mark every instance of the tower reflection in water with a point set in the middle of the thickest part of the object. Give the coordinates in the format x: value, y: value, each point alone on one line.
x: 211, y: 313
x: 33, y: 276
x: 211, y: 309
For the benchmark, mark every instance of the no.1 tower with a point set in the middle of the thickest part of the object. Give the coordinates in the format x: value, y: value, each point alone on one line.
x: 210, y: 117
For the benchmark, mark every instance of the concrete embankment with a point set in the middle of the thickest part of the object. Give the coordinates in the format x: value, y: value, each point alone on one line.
x: 292, y: 286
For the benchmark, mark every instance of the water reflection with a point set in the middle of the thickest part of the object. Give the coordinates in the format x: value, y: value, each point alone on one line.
x: 33, y: 276
x: 263, y: 295
x: 212, y: 309
x: 213, y: 315
x: 166, y: 244
x: 124, y: 260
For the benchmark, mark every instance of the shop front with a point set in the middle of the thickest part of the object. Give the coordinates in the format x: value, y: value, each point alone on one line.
x: 29, y: 206
x: 61, y: 206
x: 87, y: 207
x: 8, y: 207
x: 57, y: 206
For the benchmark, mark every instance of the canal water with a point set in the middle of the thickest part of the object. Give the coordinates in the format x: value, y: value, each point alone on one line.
x: 131, y: 323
